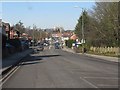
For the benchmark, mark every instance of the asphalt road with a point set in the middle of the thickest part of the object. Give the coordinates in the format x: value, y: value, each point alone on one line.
x: 55, y: 68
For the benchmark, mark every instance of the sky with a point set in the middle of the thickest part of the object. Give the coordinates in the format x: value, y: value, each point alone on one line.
x: 44, y: 14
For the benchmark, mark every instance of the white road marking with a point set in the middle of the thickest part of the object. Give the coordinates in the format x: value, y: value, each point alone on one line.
x: 9, y: 74
x: 107, y: 85
x: 88, y: 82
x: 102, y: 77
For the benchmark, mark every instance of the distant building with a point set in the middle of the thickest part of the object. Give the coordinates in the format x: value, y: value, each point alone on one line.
x: 74, y: 37
x: 57, y: 35
x: 66, y: 35
x: 9, y: 32
x: 12, y: 33
x: 6, y: 29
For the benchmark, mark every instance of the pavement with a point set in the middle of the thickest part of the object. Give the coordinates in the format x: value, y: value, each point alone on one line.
x: 14, y: 59
x: 108, y: 58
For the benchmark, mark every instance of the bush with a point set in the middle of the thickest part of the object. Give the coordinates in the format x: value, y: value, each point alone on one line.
x: 69, y: 43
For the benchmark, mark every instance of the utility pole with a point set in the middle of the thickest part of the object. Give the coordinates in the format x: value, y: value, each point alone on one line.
x: 83, y: 40
x: 83, y: 30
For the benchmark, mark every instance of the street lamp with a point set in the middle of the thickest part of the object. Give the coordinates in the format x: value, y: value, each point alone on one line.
x: 33, y: 35
x: 83, y: 40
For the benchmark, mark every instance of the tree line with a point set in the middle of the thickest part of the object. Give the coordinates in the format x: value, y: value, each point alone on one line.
x: 101, y: 25
x: 35, y: 33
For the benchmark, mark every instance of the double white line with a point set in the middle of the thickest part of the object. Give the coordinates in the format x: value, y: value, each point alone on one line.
x: 9, y: 74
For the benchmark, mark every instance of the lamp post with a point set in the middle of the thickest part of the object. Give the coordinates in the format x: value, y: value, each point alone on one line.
x: 83, y: 40
x: 33, y: 35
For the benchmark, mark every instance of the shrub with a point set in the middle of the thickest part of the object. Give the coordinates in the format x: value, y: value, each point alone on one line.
x: 69, y: 43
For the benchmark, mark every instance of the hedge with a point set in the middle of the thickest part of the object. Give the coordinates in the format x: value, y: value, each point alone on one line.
x: 69, y: 43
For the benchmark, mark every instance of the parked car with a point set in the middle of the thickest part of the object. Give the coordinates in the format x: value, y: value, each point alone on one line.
x: 57, y: 45
x: 24, y: 43
x: 40, y: 47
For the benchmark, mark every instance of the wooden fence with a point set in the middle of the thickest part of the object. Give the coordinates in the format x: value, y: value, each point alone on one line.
x: 115, y: 50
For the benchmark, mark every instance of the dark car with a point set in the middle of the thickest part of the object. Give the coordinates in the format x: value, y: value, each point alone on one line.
x: 40, y: 47
x: 57, y: 45
x: 24, y: 44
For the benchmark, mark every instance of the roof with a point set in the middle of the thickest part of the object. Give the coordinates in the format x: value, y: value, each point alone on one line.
x: 67, y: 34
x: 74, y: 37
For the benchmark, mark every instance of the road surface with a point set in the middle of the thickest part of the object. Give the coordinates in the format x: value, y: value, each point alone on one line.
x: 55, y: 68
